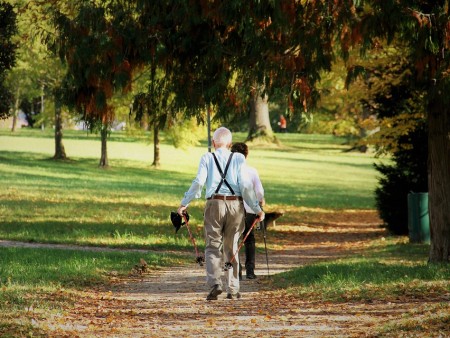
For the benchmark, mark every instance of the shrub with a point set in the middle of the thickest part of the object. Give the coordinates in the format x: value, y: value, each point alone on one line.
x: 407, y: 174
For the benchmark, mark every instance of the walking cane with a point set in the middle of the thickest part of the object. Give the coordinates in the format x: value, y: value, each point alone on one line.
x: 228, y: 265
x: 200, y: 259
x: 177, y: 223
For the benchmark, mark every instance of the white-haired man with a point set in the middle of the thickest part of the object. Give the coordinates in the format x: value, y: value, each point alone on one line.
x: 227, y: 186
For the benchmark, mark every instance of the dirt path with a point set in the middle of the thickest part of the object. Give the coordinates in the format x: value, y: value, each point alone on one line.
x: 171, y: 302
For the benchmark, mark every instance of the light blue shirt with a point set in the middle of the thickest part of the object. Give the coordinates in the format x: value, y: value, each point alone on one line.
x: 237, y: 177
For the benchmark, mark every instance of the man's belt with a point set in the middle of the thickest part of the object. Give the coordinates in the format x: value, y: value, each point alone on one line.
x: 225, y: 197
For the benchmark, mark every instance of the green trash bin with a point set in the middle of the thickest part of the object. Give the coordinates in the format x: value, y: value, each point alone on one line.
x: 418, y: 218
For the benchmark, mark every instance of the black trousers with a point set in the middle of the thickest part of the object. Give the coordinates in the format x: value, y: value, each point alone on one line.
x: 249, y: 243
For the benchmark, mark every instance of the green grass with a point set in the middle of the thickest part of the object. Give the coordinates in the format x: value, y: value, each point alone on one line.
x: 129, y: 204
x: 75, y: 202
x: 389, y: 269
x: 58, y: 268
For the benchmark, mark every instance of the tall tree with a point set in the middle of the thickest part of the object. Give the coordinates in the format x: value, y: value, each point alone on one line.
x: 100, y: 57
x: 38, y: 73
x: 155, y: 104
x: 8, y: 27
x: 23, y: 79
x: 424, y: 27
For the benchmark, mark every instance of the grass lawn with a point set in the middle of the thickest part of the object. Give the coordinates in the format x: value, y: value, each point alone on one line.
x: 388, y: 270
x: 128, y: 205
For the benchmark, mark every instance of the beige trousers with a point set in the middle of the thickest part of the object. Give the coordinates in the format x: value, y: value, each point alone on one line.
x: 224, y: 222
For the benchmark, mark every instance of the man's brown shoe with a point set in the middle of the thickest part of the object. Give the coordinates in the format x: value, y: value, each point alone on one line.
x: 215, y: 291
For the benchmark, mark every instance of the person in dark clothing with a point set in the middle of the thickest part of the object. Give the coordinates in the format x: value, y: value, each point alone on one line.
x: 250, y: 216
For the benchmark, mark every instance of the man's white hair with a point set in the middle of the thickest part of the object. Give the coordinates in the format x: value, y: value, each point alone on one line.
x: 222, y: 137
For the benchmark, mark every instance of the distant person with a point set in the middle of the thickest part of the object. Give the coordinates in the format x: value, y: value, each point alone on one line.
x: 283, y: 124
x: 250, y: 243
x: 227, y: 185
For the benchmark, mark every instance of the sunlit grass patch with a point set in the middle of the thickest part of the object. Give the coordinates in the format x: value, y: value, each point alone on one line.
x: 388, y: 270
x: 366, y: 281
x: 75, y: 268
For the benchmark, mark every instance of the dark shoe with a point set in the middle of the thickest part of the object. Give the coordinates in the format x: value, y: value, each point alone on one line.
x: 215, y: 291
x: 251, y: 275
x: 233, y: 295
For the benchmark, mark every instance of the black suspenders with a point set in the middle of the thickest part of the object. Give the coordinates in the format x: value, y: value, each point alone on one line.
x: 223, y: 174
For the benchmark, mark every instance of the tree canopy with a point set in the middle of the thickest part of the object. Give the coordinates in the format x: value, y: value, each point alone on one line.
x: 216, y: 51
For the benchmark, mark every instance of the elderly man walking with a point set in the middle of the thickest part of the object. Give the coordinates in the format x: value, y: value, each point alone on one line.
x: 227, y: 186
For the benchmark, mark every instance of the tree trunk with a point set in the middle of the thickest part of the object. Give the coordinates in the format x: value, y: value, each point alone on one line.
x: 144, y: 123
x: 156, y: 158
x: 16, y: 111
x: 60, y: 152
x: 439, y: 177
x: 104, y: 155
x: 42, y: 107
x: 363, y: 130
x: 259, y: 124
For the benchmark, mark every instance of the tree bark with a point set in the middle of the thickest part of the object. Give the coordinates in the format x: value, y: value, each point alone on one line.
x: 104, y: 154
x: 42, y: 106
x: 16, y: 111
x: 362, y: 130
x: 259, y: 123
x: 156, y: 156
x: 144, y: 123
x: 60, y: 152
x: 439, y: 176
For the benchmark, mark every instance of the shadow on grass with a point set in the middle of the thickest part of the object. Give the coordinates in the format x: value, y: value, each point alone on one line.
x: 82, y: 135
x: 119, y: 235
x: 309, y: 239
x: 405, y: 251
x: 83, y: 171
x: 324, y: 161
x: 318, y: 197
x: 82, y: 180
x: 127, y: 177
